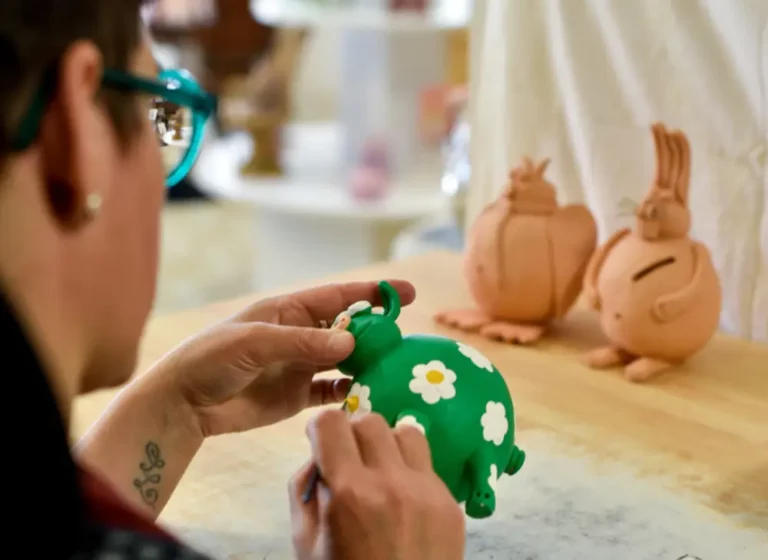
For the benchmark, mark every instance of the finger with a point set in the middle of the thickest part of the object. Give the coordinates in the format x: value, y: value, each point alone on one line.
x: 275, y: 343
x: 305, y: 516
x: 334, y: 445
x: 309, y: 307
x: 413, y: 447
x: 376, y: 441
x: 328, y: 391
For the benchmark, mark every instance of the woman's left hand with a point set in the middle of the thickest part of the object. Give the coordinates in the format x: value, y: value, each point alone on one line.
x: 259, y: 367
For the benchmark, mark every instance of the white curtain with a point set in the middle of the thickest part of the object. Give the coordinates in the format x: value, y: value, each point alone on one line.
x: 581, y: 80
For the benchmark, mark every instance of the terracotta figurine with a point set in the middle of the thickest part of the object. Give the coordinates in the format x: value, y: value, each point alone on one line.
x: 656, y: 289
x: 446, y: 389
x: 525, y: 260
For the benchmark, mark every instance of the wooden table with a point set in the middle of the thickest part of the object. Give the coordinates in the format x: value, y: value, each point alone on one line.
x: 678, y: 466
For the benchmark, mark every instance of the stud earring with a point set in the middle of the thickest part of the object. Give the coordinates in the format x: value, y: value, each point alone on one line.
x: 92, y: 205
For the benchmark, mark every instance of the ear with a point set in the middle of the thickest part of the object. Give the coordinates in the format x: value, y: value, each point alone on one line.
x: 73, y: 131
x: 661, y: 180
x: 683, y: 176
x: 543, y: 167
x: 528, y: 165
x: 390, y: 300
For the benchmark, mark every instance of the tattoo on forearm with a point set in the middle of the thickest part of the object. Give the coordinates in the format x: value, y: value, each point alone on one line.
x: 150, y: 476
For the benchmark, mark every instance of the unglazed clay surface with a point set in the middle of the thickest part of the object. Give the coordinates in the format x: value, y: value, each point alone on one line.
x: 656, y: 289
x: 446, y: 389
x: 525, y: 259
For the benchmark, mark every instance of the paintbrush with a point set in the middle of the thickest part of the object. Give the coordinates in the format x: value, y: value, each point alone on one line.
x: 314, y: 478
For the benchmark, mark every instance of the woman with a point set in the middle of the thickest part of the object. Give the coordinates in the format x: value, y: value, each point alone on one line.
x: 82, y: 184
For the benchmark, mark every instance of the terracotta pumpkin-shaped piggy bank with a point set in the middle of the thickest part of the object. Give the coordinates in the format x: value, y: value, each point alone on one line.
x: 656, y: 289
x: 448, y: 390
x: 525, y: 260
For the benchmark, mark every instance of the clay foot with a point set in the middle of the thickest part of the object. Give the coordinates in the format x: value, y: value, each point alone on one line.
x: 469, y: 320
x: 606, y: 357
x: 484, y: 474
x: 644, y: 368
x: 510, y: 332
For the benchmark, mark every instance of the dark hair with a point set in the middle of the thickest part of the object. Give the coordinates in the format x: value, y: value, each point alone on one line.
x: 35, y: 34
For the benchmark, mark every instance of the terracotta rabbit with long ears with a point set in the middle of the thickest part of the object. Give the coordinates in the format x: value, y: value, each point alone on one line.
x: 525, y: 259
x: 656, y: 289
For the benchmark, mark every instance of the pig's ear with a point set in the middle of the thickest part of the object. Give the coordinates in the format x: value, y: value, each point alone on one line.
x: 390, y: 300
x: 542, y: 168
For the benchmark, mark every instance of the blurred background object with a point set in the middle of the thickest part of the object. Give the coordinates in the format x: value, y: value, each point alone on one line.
x: 263, y: 98
x: 184, y: 14
x: 315, y: 162
x: 445, y: 230
x: 455, y: 180
x: 215, y: 40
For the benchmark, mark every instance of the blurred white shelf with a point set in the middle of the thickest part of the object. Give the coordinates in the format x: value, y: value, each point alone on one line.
x: 306, y: 225
x: 328, y: 200
x: 311, y: 186
x: 444, y: 14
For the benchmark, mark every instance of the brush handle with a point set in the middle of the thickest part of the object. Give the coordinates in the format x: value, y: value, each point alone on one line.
x: 311, y: 487
x: 315, y: 477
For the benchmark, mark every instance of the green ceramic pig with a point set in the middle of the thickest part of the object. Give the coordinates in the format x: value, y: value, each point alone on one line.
x: 447, y: 389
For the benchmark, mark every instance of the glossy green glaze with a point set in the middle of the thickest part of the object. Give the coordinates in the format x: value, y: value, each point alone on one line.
x: 449, y: 390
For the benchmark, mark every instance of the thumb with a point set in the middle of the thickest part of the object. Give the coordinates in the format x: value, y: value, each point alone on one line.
x: 277, y: 343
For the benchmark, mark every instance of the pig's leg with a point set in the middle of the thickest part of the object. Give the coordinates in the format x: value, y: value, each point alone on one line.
x: 607, y: 357
x: 645, y: 368
x: 483, y: 473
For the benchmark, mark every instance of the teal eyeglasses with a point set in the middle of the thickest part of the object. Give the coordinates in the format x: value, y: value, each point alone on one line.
x: 179, y: 111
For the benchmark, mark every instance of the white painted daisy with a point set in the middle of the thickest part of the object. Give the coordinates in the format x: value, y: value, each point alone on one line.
x: 410, y: 420
x: 357, y: 307
x: 494, y: 477
x: 433, y: 381
x: 358, y: 401
x: 476, y: 356
x: 494, y: 422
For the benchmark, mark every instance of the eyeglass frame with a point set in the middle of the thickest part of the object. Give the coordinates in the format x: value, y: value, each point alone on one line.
x: 175, y: 85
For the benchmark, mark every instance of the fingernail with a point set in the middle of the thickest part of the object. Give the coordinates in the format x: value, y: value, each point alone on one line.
x: 341, y: 342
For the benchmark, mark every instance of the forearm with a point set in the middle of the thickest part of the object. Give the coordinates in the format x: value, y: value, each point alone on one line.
x: 143, y: 443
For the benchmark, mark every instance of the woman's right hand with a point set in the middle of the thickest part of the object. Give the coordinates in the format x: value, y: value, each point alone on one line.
x: 379, y: 497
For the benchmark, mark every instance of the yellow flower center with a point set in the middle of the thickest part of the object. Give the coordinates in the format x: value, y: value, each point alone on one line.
x: 353, y: 403
x: 435, y: 377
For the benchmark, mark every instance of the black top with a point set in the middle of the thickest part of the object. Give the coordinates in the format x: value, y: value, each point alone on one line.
x: 40, y: 488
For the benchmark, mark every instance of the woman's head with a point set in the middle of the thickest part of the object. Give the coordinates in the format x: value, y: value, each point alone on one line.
x: 81, y: 194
